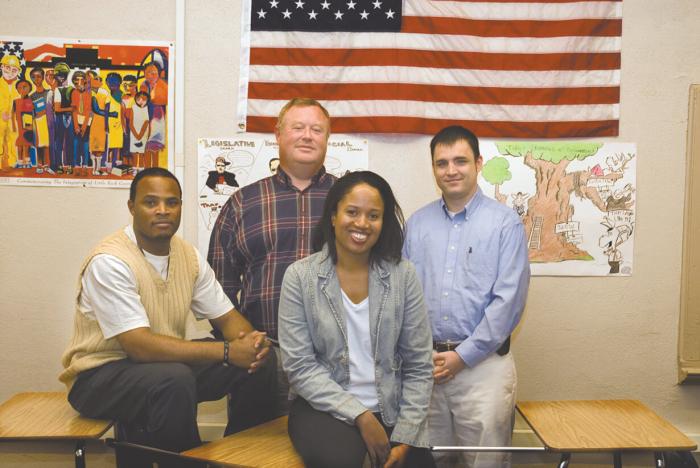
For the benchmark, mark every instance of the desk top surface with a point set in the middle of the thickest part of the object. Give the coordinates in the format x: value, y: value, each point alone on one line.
x: 601, y: 425
x: 42, y: 415
x: 266, y: 445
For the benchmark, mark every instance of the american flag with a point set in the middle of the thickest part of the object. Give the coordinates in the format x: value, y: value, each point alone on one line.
x: 515, y: 69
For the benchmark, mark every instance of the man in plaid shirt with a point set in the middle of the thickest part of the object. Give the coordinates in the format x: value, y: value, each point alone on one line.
x: 266, y: 226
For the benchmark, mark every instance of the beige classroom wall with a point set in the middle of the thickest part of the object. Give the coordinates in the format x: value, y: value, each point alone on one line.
x: 581, y: 338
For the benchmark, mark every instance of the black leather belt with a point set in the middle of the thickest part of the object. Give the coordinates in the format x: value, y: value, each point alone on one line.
x: 444, y: 346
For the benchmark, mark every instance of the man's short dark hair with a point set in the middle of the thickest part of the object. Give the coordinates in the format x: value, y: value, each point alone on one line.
x: 390, y: 242
x: 448, y: 136
x: 151, y: 172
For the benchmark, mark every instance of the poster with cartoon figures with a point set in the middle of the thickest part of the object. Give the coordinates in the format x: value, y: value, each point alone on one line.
x: 576, y: 200
x: 83, y: 113
x: 226, y: 164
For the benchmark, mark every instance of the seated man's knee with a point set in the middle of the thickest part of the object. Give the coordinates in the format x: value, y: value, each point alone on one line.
x: 176, y: 379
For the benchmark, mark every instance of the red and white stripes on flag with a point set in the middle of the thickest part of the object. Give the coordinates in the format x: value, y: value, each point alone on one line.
x: 516, y: 69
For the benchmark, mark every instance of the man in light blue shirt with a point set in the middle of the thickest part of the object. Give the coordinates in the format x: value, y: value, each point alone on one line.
x: 470, y: 253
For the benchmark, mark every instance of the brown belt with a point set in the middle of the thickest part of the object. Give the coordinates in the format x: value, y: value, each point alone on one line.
x: 444, y: 346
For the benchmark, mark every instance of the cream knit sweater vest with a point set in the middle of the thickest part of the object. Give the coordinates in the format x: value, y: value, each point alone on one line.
x: 167, y: 303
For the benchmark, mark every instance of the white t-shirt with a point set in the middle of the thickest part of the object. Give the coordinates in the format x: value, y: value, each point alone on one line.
x: 109, y: 292
x: 362, y: 384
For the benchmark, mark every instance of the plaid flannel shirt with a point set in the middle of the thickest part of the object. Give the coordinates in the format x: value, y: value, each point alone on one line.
x: 262, y: 229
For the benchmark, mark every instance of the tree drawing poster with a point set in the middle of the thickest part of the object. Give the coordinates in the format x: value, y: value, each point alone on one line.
x: 76, y: 112
x: 226, y: 164
x: 576, y: 200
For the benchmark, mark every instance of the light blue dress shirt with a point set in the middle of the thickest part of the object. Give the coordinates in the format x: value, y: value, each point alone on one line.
x: 475, y: 272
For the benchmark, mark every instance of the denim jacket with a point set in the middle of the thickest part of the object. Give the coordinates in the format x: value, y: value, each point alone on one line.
x: 314, y: 345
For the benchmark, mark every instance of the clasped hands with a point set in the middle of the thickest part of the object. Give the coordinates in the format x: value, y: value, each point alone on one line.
x: 446, y: 366
x: 250, y: 350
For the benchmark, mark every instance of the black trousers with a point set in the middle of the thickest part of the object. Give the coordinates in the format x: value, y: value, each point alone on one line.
x: 324, y: 441
x: 155, y: 404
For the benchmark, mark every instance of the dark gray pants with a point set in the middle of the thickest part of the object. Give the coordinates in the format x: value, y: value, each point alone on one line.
x: 155, y: 404
x: 324, y: 441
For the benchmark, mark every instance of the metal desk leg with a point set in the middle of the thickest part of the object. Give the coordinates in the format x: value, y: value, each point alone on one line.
x: 659, y: 460
x: 617, y: 459
x: 564, y: 462
x: 688, y: 459
x: 80, y: 454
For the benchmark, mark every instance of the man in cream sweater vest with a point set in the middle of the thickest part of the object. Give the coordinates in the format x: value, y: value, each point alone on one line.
x: 129, y: 359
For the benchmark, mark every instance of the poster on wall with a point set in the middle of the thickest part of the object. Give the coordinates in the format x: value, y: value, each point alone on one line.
x: 576, y: 200
x: 77, y: 112
x: 226, y: 164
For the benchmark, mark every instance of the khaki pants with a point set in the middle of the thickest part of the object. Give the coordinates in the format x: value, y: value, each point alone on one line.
x: 476, y: 408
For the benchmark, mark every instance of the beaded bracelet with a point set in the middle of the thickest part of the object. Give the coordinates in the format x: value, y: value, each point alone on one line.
x: 226, y: 345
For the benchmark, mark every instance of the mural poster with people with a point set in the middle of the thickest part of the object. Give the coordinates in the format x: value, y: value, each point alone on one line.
x: 83, y: 113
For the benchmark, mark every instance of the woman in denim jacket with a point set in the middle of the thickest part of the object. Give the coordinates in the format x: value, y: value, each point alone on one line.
x: 355, y: 337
